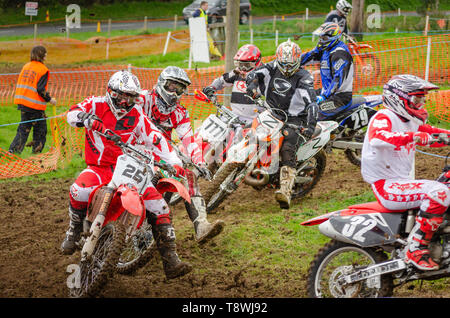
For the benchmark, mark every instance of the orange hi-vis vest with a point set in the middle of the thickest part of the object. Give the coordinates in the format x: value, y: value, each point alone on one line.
x: 26, y: 88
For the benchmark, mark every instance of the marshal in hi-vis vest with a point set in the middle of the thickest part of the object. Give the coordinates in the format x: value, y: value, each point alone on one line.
x: 26, y: 88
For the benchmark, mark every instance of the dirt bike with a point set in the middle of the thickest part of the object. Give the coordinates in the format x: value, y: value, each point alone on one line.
x: 355, y: 262
x: 252, y: 160
x: 366, y: 64
x: 349, y: 136
x: 217, y: 132
x: 116, y: 219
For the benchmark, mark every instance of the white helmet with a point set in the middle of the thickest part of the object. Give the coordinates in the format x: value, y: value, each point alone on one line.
x: 405, y: 95
x: 123, y: 90
x: 172, y: 84
x: 288, y: 58
x: 344, y: 7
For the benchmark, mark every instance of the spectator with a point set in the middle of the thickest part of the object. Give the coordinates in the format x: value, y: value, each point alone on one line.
x: 31, y: 99
x: 201, y: 12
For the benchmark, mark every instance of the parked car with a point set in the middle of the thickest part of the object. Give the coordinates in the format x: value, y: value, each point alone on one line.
x: 217, y: 9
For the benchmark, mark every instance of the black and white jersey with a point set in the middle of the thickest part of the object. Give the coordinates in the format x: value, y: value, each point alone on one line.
x: 240, y: 103
x: 292, y: 94
x: 335, y: 17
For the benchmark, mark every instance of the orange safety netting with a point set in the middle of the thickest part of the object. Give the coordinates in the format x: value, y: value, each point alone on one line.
x: 373, y: 67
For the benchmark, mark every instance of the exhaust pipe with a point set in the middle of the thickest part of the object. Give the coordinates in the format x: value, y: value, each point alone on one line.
x: 254, y: 178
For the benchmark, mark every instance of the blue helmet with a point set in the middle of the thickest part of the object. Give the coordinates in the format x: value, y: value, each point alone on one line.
x: 329, y: 34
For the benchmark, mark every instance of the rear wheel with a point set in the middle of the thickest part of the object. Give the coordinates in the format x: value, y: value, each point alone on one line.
x: 99, y: 267
x: 138, y: 250
x: 336, y: 259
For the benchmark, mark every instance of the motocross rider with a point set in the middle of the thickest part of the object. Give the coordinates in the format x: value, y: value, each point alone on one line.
x: 388, y: 156
x: 116, y: 112
x: 336, y: 71
x: 162, y: 105
x: 288, y: 87
x: 339, y: 15
x: 247, y: 58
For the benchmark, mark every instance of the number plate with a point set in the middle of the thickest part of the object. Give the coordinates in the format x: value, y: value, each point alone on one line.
x: 213, y: 129
x: 128, y: 170
x: 269, y: 121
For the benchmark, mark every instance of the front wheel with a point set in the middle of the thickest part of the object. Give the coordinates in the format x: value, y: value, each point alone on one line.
x: 308, y: 177
x: 138, y: 250
x: 354, y: 155
x: 336, y: 259
x: 99, y: 267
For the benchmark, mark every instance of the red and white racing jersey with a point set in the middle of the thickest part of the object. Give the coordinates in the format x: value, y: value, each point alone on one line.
x: 133, y: 128
x: 178, y: 120
x: 389, y: 148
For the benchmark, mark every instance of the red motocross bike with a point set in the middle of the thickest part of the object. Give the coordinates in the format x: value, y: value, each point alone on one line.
x: 116, y: 233
x: 365, y: 257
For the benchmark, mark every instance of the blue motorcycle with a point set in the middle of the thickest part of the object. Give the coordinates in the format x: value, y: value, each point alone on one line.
x: 349, y: 136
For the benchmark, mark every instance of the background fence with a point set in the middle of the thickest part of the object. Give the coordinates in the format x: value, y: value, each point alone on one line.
x: 424, y: 56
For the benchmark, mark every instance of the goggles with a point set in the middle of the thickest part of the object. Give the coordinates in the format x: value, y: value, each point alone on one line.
x: 123, y: 99
x: 175, y: 87
x: 418, y: 101
x: 245, y: 65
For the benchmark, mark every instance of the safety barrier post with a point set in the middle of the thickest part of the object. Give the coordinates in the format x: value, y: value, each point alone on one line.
x: 427, y: 64
x: 307, y: 13
x: 274, y: 22
x: 276, y: 38
x: 109, y: 27
x: 35, y: 31
x: 251, y: 36
x: 175, y: 21
x: 167, y: 43
x: 427, y: 21
x: 107, y: 48
x: 145, y: 23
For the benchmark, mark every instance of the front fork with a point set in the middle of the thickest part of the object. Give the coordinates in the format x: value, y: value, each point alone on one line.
x: 97, y: 217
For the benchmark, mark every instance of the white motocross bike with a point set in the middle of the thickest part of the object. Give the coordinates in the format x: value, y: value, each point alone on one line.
x: 254, y: 159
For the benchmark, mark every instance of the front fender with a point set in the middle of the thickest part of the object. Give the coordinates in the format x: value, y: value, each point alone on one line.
x: 172, y: 185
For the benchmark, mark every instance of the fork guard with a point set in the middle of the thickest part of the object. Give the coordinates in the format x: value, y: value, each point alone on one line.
x: 172, y: 185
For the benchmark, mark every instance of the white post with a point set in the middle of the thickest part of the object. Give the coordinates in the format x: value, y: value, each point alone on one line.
x: 427, y: 65
x: 276, y: 38
x: 67, y: 28
x: 190, y: 55
x: 167, y: 43
x: 399, y: 12
x: 35, y: 31
x: 251, y: 36
x: 145, y: 23
x: 109, y: 27
x: 175, y: 20
x: 239, y: 36
x: 307, y: 13
x: 107, y: 48
x: 274, y: 22
x: 427, y: 20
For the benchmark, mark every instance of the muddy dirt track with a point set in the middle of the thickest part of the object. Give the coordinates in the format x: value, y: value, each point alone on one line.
x: 33, y: 220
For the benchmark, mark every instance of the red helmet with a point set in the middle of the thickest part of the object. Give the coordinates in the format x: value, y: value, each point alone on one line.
x: 247, y: 58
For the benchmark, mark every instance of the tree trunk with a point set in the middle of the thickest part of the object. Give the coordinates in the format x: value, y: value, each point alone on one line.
x: 231, y: 36
x: 357, y: 21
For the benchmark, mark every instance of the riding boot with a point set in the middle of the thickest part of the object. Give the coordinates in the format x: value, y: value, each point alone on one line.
x: 73, y: 234
x: 204, y: 231
x: 419, y: 240
x: 164, y: 235
x: 287, y: 179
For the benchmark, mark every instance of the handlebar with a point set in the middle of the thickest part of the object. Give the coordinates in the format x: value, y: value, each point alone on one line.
x: 111, y: 135
x: 440, y: 138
